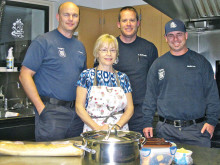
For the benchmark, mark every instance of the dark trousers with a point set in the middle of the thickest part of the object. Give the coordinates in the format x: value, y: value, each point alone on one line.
x: 136, y: 121
x: 187, y: 135
x: 57, y: 122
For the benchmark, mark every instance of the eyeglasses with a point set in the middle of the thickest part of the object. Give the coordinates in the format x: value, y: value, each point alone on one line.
x: 172, y: 36
x: 105, y: 51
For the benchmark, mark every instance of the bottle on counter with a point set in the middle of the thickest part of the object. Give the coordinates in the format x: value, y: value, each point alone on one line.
x: 10, y: 60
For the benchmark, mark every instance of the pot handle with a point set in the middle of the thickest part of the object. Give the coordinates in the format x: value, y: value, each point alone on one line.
x: 143, y: 140
x: 109, y: 131
x: 85, y: 148
x: 111, y: 126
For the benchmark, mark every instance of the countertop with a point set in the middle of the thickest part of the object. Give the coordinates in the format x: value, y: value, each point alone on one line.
x: 17, y: 124
x: 201, y: 156
x: 16, y: 113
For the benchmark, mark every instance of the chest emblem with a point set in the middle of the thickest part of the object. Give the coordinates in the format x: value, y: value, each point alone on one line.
x: 161, y: 74
x: 61, y: 52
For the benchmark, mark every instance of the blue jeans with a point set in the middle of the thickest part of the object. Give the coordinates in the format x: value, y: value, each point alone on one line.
x: 57, y: 122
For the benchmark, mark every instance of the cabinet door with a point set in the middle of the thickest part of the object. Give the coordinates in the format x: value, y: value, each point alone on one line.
x: 164, y: 46
x: 151, y: 25
x: 109, y: 22
x: 89, y: 30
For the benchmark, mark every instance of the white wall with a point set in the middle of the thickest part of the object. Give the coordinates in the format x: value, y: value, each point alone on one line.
x: 87, y: 3
x: 109, y: 4
x: 105, y: 4
x: 98, y: 4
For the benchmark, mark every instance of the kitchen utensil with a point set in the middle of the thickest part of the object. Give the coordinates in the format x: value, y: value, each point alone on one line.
x: 111, y: 147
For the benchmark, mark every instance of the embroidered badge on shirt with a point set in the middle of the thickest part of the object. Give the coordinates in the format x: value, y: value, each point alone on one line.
x: 161, y: 74
x: 173, y: 25
x: 61, y: 52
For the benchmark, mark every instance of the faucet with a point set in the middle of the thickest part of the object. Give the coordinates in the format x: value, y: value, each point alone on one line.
x: 5, y: 92
x: 6, y: 86
x: 2, y: 97
x: 12, y: 82
x: 1, y: 93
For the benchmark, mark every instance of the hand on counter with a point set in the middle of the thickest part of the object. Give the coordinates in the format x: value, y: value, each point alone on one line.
x: 148, y: 132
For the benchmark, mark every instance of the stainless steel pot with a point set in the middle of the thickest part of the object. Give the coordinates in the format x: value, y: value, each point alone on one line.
x: 111, y: 147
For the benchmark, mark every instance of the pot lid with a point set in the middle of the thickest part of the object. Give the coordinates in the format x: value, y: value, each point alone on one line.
x: 113, y: 136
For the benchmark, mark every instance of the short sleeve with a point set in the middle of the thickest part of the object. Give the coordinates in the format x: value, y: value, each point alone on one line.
x: 124, y: 82
x: 86, y: 78
x: 35, y: 54
x: 82, y: 79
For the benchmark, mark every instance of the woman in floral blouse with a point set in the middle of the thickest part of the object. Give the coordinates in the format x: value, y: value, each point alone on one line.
x: 104, y: 94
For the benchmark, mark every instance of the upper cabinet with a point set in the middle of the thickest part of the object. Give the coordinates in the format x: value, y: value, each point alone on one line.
x: 89, y: 30
x: 164, y: 45
x: 94, y: 22
x: 151, y: 25
x: 109, y: 19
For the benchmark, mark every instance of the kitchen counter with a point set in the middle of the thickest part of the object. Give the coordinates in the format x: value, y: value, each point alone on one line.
x: 22, y: 128
x: 201, y: 156
x: 10, y: 160
x: 16, y: 113
x: 13, y: 127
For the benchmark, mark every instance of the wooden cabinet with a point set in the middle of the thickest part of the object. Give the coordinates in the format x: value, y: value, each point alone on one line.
x: 109, y: 22
x: 89, y: 30
x: 151, y: 25
x: 164, y: 45
x: 94, y: 22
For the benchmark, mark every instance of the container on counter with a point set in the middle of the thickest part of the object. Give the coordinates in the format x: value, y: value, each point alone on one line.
x: 183, y: 157
x: 157, y: 155
x: 10, y: 60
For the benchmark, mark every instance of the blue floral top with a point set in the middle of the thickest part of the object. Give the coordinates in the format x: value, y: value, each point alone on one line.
x: 104, y: 78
